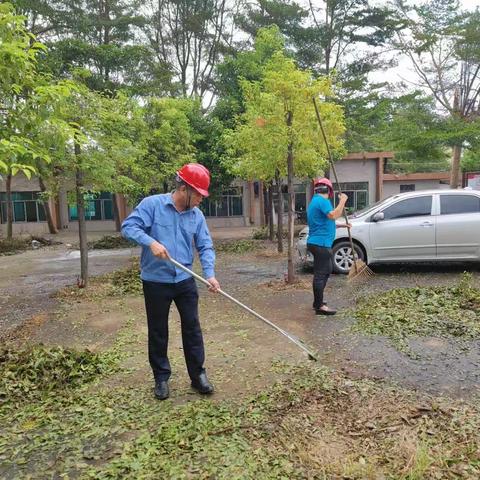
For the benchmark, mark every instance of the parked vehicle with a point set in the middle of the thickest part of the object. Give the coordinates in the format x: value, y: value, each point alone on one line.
x: 423, y: 226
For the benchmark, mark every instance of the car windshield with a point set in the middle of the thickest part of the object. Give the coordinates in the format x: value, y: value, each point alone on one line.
x: 367, y: 209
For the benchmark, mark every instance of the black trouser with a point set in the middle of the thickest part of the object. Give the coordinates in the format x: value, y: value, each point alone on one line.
x: 322, y: 268
x: 158, y: 298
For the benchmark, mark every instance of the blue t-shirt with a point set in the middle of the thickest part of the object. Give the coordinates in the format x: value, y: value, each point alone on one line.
x: 321, y: 229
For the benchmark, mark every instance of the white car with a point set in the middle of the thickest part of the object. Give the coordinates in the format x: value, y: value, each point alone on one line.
x: 423, y: 226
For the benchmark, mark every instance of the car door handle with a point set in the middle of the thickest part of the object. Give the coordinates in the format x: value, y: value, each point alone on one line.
x: 426, y: 224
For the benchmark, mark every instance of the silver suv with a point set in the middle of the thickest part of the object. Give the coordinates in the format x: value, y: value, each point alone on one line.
x: 423, y: 226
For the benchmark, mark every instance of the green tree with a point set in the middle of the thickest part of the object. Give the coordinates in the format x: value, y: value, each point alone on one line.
x: 97, y: 145
x: 328, y: 35
x: 277, y: 135
x: 344, y: 39
x: 190, y: 36
x: 235, y: 68
x: 102, y: 36
x: 244, y: 65
x: 171, y: 138
x: 207, y: 141
x: 413, y: 129
x: 18, y: 52
x: 471, y: 160
x: 443, y: 45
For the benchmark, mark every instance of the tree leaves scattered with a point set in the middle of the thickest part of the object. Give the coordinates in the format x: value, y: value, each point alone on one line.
x: 422, y: 311
x: 30, y: 371
x: 127, y: 281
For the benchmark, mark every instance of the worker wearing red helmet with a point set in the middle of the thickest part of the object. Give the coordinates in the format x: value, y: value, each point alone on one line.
x: 169, y: 225
x: 321, y: 218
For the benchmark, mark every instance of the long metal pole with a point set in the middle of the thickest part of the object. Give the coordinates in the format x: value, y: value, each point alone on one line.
x: 292, y: 338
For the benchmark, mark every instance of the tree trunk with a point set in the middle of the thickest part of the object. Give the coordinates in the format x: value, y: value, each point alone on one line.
x: 8, y: 188
x: 291, y: 206
x: 46, y: 205
x: 116, y: 213
x: 279, y: 213
x: 261, y: 201
x: 82, y: 225
x: 271, y: 229
x: 455, y: 172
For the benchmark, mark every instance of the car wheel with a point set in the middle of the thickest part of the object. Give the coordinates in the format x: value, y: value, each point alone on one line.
x: 343, y: 258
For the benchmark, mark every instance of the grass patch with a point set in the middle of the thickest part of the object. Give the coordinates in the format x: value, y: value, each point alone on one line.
x: 238, y: 246
x: 111, y: 242
x: 421, y: 311
x: 313, y: 425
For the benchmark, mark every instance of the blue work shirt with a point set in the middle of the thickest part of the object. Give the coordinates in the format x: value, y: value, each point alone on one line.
x: 321, y: 229
x: 156, y: 218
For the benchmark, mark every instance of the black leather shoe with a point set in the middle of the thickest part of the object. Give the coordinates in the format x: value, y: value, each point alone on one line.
x: 328, y: 311
x: 161, y: 390
x: 202, y: 385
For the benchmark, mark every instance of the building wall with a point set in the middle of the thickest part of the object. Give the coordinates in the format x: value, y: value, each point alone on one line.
x: 220, y: 222
x: 393, y: 187
x: 20, y: 183
x: 94, y: 226
x: 26, y: 228
x: 353, y: 170
x: 358, y: 171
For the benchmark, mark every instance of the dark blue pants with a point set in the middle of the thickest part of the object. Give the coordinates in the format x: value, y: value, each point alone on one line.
x: 158, y: 298
x: 322, y: 268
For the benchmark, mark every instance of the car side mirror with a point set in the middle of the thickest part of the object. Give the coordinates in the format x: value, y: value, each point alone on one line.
x: 377, y: 217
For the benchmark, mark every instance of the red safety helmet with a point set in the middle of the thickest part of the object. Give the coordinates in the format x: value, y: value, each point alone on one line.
x: 197, y: 176
x: 324, y: 181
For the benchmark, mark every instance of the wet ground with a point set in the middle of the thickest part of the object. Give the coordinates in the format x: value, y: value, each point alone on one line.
x: 240, y: 349
x: 27, y: 280
x: 444, y: 366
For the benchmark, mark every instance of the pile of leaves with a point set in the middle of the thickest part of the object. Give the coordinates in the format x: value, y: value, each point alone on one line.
x: 111, y: 242
x: 422, y: 311
x: 20, y: 244
x: 127, y: 281
x: 260, y: 233
x: 30, y: 371
x: 238, y: 246
x: 120, y: 282
x: 14, y: 245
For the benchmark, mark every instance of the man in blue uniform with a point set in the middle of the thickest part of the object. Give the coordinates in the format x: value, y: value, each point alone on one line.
x: 321, y: 218
x: 164, y: 225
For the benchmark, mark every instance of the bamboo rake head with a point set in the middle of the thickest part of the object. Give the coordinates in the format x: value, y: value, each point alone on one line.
x: 359, y: 271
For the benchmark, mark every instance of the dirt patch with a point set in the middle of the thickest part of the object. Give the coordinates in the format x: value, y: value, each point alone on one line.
x: 282, y: 285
